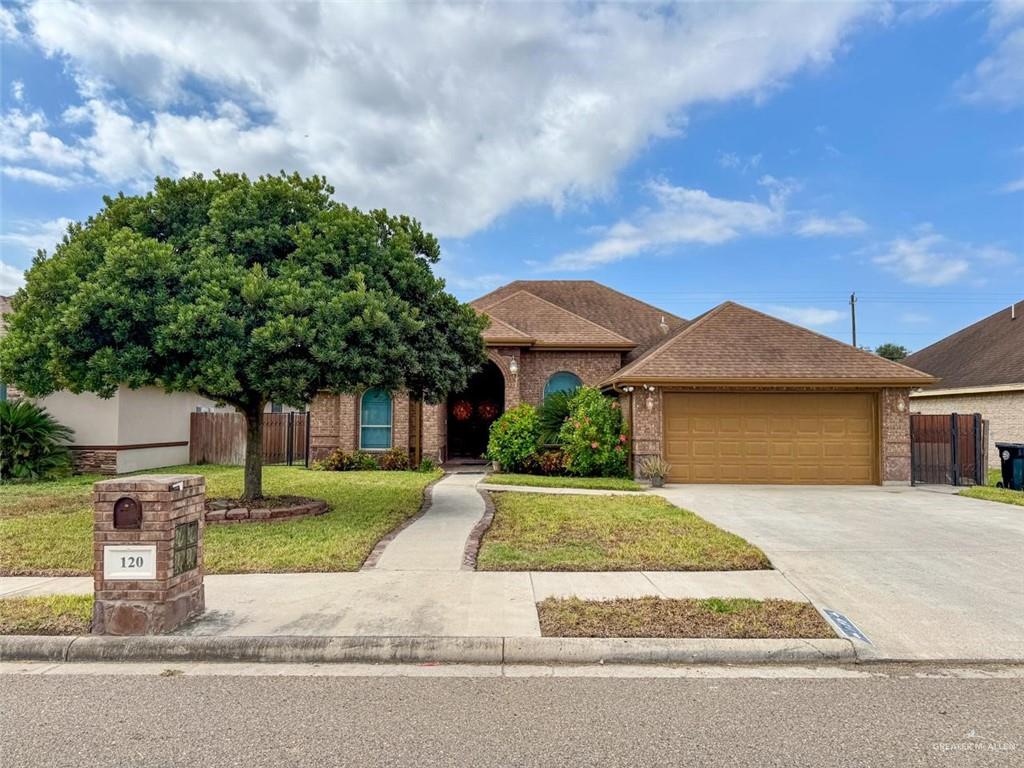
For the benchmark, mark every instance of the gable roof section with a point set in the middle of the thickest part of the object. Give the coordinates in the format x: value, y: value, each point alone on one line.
x: 735, y: 344
x: 988, y: 353
x: 499, y: 332
x: 628, y: 317
x: 552, y: 326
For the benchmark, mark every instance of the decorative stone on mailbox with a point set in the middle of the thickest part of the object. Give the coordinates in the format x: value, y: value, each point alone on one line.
x: 147, y: 553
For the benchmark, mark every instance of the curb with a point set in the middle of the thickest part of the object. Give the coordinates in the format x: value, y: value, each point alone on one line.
x: 450, y: 650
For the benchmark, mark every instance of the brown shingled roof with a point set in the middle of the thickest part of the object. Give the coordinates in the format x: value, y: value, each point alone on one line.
x: 733, y: 343
x: 622, y: 314
x: 499, y: 331
x: 552, y: 325
x: 988, y: 353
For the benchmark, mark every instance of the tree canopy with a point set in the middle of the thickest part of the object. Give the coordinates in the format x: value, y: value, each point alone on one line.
x: 894, y: 352
x: 244, y: 291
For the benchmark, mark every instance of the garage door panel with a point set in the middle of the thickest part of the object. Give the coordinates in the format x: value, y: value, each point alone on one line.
x: 805, y: 438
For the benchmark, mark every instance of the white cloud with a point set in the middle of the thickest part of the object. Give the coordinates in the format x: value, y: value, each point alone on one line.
x: 999, y: 78
x: 809, y: 316
x: 738, y: 162
x: 1013, y: 186
x: 917, y: 318
x: 454, y: 113
x: 8, y: 24
x: 29, y: 237
x: 681, y: 216
x: 821, y: 226
x: 11, y: 279
x: 17, y: 90
x: 931, y: 259
x: 35, y: 176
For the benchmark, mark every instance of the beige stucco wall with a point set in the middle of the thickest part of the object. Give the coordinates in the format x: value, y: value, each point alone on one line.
x: 1004, y: 412
x: 93, y: 419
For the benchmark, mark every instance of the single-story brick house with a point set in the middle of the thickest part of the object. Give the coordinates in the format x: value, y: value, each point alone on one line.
x: 733, y: 396
x: 980, y: 370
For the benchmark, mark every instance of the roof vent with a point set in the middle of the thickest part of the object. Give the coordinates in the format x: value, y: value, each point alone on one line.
x: 1013, y: 311
x: 663, y: 325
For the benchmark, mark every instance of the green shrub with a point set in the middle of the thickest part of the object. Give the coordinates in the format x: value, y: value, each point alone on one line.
x: 33, y: 444
x: 514, y: 437
x: 427, y: 465
x: 340, y: 460
x: 393, y: 460
x: 593, y: 438
x: 552, y: 414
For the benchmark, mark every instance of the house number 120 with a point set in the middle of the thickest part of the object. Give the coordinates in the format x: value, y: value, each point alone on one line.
x: 132, y: 561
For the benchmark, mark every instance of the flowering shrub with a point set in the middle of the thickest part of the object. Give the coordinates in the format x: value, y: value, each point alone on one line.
x: 514, y: 437
x: 593, y: 438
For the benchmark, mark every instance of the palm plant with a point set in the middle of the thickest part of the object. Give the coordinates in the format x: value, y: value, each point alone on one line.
x: 33, y: 445
x: 552, y: 414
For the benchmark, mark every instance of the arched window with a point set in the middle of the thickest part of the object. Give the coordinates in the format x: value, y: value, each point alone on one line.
x: 563, y: 381
x: 375, y: 420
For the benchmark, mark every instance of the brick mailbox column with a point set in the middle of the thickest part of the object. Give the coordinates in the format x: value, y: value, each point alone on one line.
x: 147, y: 553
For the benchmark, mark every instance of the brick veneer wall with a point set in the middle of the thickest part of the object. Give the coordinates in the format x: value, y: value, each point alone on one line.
x: 1004, y: 412
x: 645, y: 426
x: 895, y: 435
x: 535, y: 368
x: 335, y: 423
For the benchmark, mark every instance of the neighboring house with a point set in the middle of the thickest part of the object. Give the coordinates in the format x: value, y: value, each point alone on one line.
x: 734, y: 396
x: 135, y: 429
x: 980, y: 370
x: 7, y: 391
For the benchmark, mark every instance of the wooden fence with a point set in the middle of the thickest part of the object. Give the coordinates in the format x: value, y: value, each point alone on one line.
x: 219, y: 438
x: 948, y: 449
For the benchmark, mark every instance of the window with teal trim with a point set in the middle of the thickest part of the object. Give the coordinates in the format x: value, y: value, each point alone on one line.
x: 563, y: 381
x: 375, y: 420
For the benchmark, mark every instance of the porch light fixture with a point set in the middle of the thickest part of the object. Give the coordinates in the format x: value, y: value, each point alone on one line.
x: 513, y: 367
x: 628, y: 389
x: 900, y: 405
x: 649, y: 402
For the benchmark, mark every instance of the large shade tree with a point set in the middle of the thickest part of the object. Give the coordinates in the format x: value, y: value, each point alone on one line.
x: 245, y: 292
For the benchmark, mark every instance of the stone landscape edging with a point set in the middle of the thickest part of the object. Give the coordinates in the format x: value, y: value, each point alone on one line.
x: 450, y: 650
x: 230, y: 515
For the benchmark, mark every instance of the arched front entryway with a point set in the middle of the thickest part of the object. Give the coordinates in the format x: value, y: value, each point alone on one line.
x: 471, y: 412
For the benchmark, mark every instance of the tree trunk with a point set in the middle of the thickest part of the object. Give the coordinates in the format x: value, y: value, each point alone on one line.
x: 253, y: 454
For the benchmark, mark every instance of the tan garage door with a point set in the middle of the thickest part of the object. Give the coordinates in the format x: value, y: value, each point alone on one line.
x: 803, y: 439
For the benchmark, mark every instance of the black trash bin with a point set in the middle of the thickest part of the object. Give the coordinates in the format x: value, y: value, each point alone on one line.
x: 1012, y: 457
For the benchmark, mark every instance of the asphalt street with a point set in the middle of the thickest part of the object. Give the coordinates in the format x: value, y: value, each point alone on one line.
x: 894, y: 716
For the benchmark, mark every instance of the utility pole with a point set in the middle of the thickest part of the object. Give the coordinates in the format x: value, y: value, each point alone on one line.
x: 853, y: 316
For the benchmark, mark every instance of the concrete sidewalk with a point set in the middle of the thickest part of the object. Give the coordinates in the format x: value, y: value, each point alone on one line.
x: 437, y: 540
x: 418, y: 603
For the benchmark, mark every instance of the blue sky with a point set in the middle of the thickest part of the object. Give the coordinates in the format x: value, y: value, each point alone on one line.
x: 779, y: 155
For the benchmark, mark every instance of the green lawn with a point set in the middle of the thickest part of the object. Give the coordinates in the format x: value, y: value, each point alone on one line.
x: 46, y: 528
x: 543, y: 481
x: 546, y: 532
x: 48, y: 615
x: 659, y: 617
x: 991, y: 493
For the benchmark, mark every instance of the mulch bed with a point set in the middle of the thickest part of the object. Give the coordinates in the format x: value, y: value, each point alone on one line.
x: 662, y: 617
x: 267, y: 509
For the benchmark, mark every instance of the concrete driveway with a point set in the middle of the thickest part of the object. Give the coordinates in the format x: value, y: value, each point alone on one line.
x: 922, y: 573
